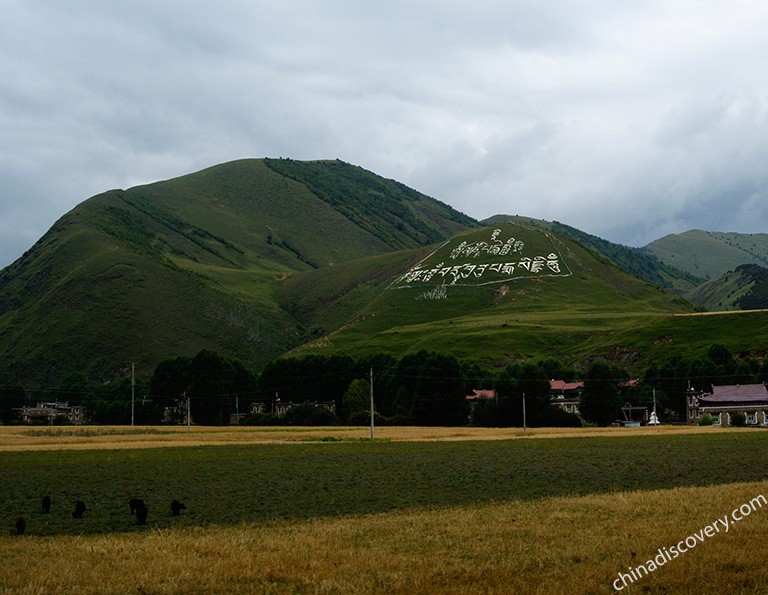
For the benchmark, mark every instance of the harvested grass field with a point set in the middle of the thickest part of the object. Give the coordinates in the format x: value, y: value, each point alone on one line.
x: 444, y: 513
x: 552, y: 545
x: 18, y: 438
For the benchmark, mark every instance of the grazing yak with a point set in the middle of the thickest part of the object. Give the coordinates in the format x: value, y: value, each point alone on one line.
x: 79, y: 509
x: 135, y: 504
x: 141, y: 514
x: 177, y: 507
x: 139, y: 509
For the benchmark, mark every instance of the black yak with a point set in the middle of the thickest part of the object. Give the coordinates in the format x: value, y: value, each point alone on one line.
x: 177, y: 507
x: 135, y: 504
x: 141, y: 513
x: 79, y: 509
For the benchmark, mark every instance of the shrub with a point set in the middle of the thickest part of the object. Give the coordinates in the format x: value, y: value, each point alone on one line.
x: 362, y: 418
x: 738, y: 420
x: 706, y: 420
x: 556, y: 417
x: 261, y: 419
x: 310, y: 414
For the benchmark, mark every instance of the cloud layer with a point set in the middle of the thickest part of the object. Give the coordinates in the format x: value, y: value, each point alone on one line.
x: 628, y: 120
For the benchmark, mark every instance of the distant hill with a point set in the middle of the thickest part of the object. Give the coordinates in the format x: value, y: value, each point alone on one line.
x: 709, y: 254
x: 196, y: 262
x: 745, y: 288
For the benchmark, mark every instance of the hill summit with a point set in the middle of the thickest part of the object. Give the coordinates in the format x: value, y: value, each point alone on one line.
x: 195, y: 262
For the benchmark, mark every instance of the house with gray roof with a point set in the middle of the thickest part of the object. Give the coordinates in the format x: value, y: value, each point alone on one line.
x: 725, y: 401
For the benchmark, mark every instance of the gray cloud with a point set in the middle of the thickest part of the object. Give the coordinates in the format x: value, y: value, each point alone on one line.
x: 628, y: 120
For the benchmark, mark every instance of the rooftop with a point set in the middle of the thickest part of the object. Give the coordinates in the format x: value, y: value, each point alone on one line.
x: 736, y: 393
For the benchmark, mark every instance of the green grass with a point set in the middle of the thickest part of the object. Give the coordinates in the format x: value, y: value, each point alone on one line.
x: 711, y: 254
x: 255, y: 483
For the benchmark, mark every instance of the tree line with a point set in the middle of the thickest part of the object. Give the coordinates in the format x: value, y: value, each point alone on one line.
x: 423, y: 388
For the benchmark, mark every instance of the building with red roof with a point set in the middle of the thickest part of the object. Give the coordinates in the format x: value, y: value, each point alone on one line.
x: 566, y: 395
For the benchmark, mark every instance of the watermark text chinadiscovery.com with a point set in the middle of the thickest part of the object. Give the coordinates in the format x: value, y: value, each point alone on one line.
x: 667, y: 554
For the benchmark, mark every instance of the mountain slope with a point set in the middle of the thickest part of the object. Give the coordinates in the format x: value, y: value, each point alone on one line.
x: 258, y: 258
x: 194, y: 262
x: 545, y: 295
x: 635, y: 261
x: 745, y: 288
x: 709, y: 254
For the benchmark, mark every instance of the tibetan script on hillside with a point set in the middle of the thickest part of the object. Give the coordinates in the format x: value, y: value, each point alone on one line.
x: 493, y: 260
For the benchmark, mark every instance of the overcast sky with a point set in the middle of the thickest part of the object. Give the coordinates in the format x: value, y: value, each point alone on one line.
x: 629, y: 120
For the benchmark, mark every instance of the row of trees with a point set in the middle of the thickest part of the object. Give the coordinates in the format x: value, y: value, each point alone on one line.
x: 423, y: 388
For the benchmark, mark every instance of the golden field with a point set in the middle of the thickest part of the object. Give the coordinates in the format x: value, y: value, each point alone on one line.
x: 13, y: 438
x: 548, y: 545
x: 557, y: 545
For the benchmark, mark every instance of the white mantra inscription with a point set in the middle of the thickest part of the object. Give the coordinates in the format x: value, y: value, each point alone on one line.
x: 468, y: 263
x: 453, y: 274
x: 493, y: 248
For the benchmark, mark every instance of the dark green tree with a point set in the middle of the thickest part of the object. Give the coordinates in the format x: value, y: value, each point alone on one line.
x: 356, y: 398
x: 431, y: 390
x: 12, y: 397
x: 168, y: 388
x: 529, y: 381
x: 600, y: 400
x: 208, y: 388
x: 725, y: 364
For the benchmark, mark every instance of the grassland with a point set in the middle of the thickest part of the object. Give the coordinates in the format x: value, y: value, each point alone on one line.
x: 418, y: 511
x: 422, y: 510
x: 597, y: 311
x: 710, y: 254
x: 552, y: 545
x: 27, y: 438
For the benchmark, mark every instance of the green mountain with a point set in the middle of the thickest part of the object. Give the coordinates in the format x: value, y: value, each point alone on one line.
x: 500, y: 294
x: 710, y: 254
x: 197, y: 262
x: 258, y: 258
x: 745, y: 288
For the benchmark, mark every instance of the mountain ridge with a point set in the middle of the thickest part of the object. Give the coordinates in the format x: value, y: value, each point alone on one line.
x: 257, y: 258
x: 185, y: 264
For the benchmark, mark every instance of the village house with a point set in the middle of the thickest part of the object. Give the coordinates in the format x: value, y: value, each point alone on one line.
x: 725, y: 401
x: 566, y: 395
x: 52, y: 413
x: 477, y: 395
x: 280, y: 408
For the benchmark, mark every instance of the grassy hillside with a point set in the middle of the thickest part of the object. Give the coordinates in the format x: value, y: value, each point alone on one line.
x: 745, y: 288
x: 195, y: 262
x: 709, y: 254
x: 635, y: 261
x: 255, y: 258
x: 589, y: 308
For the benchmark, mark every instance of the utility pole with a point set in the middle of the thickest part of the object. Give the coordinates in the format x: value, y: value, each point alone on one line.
x: 133, y: 392
x: 524, y: 421
x: 371, y: 383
